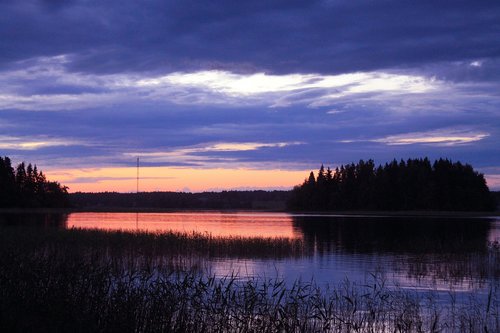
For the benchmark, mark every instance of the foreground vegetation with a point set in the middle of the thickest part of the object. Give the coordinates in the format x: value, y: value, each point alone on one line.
x: 76, y: 280
x: 415, y: 184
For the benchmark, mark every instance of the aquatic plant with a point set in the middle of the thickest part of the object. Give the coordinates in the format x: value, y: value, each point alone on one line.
x: 76, y: 280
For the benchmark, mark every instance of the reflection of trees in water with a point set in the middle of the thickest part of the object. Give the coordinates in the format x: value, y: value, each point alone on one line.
x: 393, y: 234
x: 437, y: 248
x: 468, y: 268
x: 58, y: 220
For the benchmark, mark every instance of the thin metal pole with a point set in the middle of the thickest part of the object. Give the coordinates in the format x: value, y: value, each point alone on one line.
x: 137, y: 198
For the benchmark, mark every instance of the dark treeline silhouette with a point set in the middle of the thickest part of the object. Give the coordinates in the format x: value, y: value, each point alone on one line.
x: 415, y: 184
x: 26, y: 187
x: 271, y: 200
x: 393, y: 234
x: 496, y: 195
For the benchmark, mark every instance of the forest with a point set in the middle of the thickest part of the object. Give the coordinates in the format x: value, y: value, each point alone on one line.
x: 26, y: 187
x: 260, y: 200
x: 415, y: 184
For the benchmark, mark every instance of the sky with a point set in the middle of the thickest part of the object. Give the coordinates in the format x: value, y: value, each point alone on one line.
x: 224, y: 94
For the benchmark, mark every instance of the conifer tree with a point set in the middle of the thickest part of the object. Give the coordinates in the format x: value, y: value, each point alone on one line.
x: 27, y: 187
x: 404, y: 185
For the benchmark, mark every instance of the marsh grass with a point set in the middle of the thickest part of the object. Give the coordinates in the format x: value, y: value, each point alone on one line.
x: 147, y: 244
x: 89, y: 281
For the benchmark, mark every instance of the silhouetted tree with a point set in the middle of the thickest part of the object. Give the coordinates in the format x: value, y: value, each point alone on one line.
x: 405, y: 185
x: 7, y: 183
x: 27, y: 187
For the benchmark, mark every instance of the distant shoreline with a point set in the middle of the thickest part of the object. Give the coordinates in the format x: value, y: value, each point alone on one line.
x: 455, y: 214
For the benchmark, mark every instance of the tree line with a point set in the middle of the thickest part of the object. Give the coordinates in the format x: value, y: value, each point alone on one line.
x: 415, y: 184
x: 25, y: 186
x: 263, y: 200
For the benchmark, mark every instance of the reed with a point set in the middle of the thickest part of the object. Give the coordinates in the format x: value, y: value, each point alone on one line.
x: 152, y: 244
x: 82, y: 281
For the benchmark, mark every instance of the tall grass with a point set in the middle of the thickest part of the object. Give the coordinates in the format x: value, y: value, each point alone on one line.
x: 89, y: 281
x: 149, y: 244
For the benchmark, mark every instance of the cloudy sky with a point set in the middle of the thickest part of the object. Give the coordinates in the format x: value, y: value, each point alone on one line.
x: 245, y: 94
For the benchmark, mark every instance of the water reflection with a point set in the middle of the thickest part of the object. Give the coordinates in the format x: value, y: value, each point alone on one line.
x: 322, y: 234
x: 393, y: 234
x: 423, y: 252
x: 57, y: 220
x: 238, y: 224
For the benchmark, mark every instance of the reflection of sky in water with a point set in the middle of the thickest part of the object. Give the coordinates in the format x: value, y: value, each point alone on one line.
x: 333, y: 269
x: 216, y: 224
x: 494, y: 234
x: 416, y: 253
x: 323, y: 269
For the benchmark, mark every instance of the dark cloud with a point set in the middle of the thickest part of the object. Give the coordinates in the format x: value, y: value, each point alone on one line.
x: 113, y: 136
x: 56, y: 4
x: 93, y: 110
x: 48, y: 88
x: 275, y: 36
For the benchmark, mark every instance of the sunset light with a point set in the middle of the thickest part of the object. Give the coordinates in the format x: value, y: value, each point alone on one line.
x: 176, y: 179
x: 249, y: 166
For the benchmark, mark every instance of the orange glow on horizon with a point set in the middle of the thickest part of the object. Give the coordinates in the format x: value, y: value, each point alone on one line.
x: 216, y: 224
x: 123, y: 179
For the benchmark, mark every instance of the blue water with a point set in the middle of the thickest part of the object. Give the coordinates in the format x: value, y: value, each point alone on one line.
x: 420, y: 253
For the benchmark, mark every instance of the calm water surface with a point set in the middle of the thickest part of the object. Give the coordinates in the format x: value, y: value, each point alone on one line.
x: 418, y: 253
x: 216, y: 224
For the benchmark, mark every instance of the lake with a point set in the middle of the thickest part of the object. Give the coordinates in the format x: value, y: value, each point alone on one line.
x: 422, y: 253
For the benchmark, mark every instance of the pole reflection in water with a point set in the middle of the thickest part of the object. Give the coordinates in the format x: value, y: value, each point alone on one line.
x: 415, y: 252
x: 239, y: 224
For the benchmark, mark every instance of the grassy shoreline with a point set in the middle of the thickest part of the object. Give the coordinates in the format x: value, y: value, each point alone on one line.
x: 88, y: 280
x: 165, y: 244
